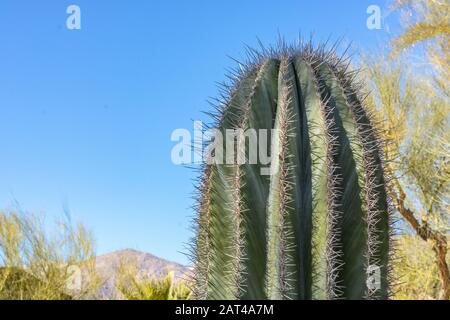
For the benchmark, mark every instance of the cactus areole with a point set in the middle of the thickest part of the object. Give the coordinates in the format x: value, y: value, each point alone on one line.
x: 318, y: 225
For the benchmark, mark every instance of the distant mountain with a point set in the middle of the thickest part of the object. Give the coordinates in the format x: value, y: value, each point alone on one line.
x: 147, y: 265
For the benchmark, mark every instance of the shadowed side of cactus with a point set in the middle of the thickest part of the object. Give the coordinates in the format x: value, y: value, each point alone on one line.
x: 316, y: 227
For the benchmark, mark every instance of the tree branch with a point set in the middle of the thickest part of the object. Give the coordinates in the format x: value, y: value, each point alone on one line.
x: 426, y: 233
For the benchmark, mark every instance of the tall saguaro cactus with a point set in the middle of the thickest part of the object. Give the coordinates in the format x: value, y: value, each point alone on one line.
x: 317, y: 227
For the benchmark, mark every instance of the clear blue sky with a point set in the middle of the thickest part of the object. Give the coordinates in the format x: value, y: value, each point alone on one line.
x: 86, y: 115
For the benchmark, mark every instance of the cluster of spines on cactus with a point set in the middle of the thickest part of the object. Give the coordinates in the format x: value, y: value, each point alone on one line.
x: 318, y: 226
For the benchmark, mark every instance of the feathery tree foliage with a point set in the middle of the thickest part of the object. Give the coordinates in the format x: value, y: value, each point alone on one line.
x: 415, y: 267
x: 414, y: 122
x: 428, y: 23
x: 35, y: 265
x: 414, y: 106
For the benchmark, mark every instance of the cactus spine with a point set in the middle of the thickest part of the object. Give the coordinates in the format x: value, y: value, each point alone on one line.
x: 319, y: 225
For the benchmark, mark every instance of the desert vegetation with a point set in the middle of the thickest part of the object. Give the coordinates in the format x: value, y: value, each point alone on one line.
x: 45, y: 265
x: 374, y: 192
x: 410, y: 95
x: 391, y: 116
x: 132, y: 286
